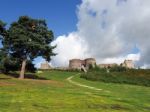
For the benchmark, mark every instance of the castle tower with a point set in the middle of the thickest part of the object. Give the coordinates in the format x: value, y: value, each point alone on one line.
x: 75, y: 64
x: 128, y: 64
x: 90, y: 62
x: 79, y: 64
x: 45, y: 66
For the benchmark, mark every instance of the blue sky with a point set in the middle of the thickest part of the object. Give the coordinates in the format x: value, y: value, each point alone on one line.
x: 121, y: 25
x: 59, y: 14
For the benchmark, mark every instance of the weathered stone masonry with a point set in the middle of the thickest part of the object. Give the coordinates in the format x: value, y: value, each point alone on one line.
x: 77, y: 63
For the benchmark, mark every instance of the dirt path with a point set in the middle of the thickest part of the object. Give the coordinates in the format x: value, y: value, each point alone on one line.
x: 81, y: 85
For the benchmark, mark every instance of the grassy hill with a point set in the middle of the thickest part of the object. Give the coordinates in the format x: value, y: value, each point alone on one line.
x: 56, y: 94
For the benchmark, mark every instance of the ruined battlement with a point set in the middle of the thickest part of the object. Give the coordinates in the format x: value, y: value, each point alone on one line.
x: 127, y: 64
x: 45, y: 66
x: 78, y: 63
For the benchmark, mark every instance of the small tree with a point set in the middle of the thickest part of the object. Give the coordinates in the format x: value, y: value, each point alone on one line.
x: 28, y: 38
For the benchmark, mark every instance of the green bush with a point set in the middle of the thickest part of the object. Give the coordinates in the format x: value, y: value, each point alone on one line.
x: 130, y: 76
x: 8, y: 64
x: 118, y: 69
x: 96, y: 68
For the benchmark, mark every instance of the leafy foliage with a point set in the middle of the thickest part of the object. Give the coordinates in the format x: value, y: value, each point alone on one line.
x: 28, y: 38
x: 25, y: 40
x: 2, y: 28
x: 8, y: 63
x: 130, y: 76
x: 96, y: 68
x: 118, y: 69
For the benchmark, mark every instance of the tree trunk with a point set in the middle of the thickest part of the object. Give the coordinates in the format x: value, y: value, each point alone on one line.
x: 23, y: 66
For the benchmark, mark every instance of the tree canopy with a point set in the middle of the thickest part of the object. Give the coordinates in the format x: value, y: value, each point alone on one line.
x: 26, y: 39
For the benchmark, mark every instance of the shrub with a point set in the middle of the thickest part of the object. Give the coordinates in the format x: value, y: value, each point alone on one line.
x: 118, y: 69
x: 130, y: 76
x: 97, y: 68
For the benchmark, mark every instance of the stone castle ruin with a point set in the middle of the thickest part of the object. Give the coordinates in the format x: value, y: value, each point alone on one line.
x: 78, y: 64
x: 127, y: 64
x: 45, y: 66
x: 86, y: 64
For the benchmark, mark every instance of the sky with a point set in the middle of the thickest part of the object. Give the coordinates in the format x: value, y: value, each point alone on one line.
x: 108, y: 30
x: 59, y: 14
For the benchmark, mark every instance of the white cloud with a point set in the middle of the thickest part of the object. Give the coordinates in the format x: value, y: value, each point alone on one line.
x: 145, y: 66
x: 119, y: 60
x: 68, y: 47
x: 134, y: 57
x: 107, y: 30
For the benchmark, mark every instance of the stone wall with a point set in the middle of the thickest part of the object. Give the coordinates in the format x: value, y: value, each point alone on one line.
x: 128, y: 64
x: 77, y: 63
x: 107, y: 65
x: 45, y: 66
x: 90, y: 62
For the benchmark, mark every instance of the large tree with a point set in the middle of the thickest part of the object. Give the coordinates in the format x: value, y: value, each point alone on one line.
x: 2, y: 28
x: 2, y: 34
x: 7, y: 62
x: 28, y: 38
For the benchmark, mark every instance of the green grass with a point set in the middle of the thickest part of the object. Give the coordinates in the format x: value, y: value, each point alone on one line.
x: 58, y: 95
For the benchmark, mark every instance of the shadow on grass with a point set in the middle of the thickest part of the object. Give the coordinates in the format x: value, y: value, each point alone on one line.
x: 27, y: 76
x: 108, y: 106
x: 4, y: 78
